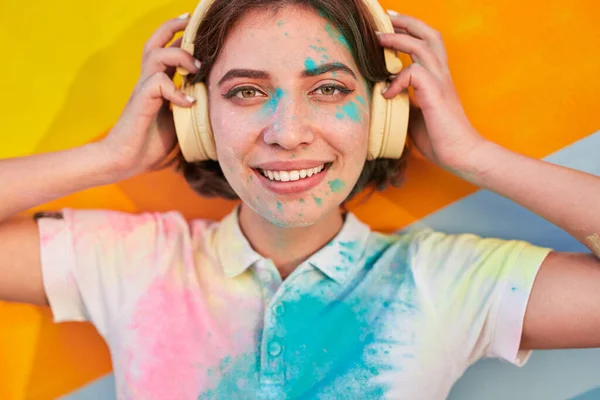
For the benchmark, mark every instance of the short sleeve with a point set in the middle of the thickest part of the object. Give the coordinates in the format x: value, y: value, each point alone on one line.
x: 96, y: 262
x: 478, y: 289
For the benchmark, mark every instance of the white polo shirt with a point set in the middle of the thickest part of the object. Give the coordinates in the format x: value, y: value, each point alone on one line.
x: 190, y: 311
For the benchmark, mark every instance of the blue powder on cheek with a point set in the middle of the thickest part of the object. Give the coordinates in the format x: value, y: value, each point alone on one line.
x: 271, y: 106
x: 279, y: 206
x: 352, y: 111
x: 361, y: 100
x: 336, y: 185
x: 310, y: 64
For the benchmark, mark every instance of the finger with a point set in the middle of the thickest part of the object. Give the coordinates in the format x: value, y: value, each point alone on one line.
x: 151, y: 96
x: 165, y: 33
x: 166, y: 60
x: 420, y: 30
x: 177, y: 42
x: 418, y: 50
x: 415, y: 75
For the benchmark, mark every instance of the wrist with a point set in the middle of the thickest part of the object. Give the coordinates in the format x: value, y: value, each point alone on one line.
x: 105, y: 166
x: 477, y: 162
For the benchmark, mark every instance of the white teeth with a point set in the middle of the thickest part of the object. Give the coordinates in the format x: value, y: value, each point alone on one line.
x: 286, y: 176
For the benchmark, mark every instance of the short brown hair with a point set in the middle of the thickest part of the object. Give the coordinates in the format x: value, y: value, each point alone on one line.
x: 353, y: 21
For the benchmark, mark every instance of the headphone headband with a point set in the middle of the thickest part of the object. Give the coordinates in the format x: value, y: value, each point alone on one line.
x: 382, y: 21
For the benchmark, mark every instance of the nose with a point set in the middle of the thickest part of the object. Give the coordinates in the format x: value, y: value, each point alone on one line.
x: 288, y: 127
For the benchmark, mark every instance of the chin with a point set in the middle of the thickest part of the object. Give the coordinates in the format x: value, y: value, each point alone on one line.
x: 293, y: 214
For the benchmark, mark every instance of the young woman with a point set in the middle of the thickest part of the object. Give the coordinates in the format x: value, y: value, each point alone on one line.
x: 288, y: 296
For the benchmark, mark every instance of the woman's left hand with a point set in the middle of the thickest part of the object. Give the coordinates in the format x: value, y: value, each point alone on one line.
x: 438, y: 125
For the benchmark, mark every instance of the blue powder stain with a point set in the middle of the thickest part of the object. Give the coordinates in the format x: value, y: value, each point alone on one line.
x: 335, y: 35
x: 318, y: 200
x: 279, y: 206
x: 280, y: 23
x: 361, y: 100
x: 322, y: 360
x: 352, y: 111
x: 310, y: 64
x: 318, y: 49
x: 334, y: 361
x: 514, y: 289
x: 336, y: 185
x: 271, y: 106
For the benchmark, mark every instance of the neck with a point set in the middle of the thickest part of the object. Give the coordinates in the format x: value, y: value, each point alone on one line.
x: 288, y: 247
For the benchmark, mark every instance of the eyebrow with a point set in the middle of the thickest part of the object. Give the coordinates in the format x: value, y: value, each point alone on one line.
x: 329, y: 67
x: 258, y: 74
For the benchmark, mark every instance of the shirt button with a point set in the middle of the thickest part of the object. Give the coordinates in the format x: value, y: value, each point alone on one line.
x: 279, y: 310
x: 274, y: 349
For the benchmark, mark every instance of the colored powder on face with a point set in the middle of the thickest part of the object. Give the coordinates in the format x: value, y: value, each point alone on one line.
x: 310, y: 64
x: 301, y: 201
x: 318, y: 200
x: 271, y: 106
x: 352, y: 111
x: 336, y: 185
x: 361, y: 100
x: 279, y: 207
x: 335, y: 35
x: 280, y: 23
x: 317, y: 48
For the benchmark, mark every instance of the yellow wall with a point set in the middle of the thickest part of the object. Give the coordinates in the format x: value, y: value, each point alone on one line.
x: 525, y: 70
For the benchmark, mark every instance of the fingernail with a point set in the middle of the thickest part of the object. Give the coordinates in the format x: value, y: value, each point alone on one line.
x: 392, y: 13
x: 184, y: 16
x: 385, y: 89
x: 197, y: 63
x: 190, y: 99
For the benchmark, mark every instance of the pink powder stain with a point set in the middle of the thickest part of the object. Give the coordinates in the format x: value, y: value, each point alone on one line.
x: 49, y: 234
x: 175, y: 339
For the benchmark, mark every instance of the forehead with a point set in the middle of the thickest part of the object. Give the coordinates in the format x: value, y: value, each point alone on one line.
x: 293, y: 38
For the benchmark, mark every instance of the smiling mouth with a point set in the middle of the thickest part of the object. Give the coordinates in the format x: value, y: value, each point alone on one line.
x: 293, y: 175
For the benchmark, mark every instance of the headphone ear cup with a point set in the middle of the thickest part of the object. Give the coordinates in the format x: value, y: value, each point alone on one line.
x: 192, y: 125
x: 389, y: 124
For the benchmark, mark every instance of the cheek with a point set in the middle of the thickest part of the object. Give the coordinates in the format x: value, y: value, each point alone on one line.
x: 347, y: 128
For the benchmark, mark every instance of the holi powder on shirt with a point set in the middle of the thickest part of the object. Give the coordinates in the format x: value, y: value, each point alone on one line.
x: 336, y: 185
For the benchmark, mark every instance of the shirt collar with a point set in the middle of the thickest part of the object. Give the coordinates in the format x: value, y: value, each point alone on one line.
x: 234, y: 250
x: 342, y: 255
x: 338, y: 259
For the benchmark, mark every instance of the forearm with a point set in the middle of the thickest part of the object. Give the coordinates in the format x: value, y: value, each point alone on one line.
x: 568, y: 198
x: 30, y: 181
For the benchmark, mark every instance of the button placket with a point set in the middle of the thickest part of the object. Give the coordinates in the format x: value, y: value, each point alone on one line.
x: 272, y: 346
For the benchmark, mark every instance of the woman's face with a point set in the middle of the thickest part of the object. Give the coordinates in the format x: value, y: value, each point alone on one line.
x: 290, y: 114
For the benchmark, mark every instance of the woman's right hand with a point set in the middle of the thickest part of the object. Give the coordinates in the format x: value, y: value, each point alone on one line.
x: 144, y: 135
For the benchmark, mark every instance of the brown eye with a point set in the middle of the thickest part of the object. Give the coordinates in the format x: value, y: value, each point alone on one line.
x: 248, y: 93
x: 327, y: 90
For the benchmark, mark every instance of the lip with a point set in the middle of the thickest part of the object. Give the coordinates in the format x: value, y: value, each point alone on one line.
x: 290, y: 165
x: 292, y: 187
